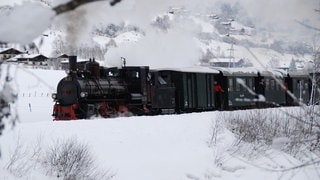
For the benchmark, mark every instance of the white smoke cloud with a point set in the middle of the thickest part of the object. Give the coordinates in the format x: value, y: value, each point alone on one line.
x: 76, y: 27
x: 173, y: 49
x: 177, y: 47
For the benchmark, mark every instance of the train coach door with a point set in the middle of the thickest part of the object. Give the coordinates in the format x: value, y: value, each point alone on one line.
x: 163, y: 92
x: 259, y: 84
x: 209, y: 90
x: 222, y: 101
x: 289, y: 87
x: 189, y: 91
x: 224, y: 84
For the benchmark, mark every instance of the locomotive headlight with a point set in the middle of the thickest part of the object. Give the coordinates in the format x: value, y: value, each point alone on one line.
x: 54, y: 95
x: 67, y: 71
x: 83, y: 94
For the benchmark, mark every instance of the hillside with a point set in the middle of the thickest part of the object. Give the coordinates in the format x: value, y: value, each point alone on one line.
x: 182, y: 33
x: 209, y: 37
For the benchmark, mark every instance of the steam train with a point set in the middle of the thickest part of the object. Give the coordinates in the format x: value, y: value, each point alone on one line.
x: 137, y: 90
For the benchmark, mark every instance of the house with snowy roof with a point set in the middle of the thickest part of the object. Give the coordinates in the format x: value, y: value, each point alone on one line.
x: 227, y: 62
x: 8, y: 53
x: 31, y: 59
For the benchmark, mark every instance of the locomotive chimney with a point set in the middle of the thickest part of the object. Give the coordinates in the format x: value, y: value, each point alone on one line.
x: 73, y: 63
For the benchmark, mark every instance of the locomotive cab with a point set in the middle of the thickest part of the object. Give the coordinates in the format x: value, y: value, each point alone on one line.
x: 136, y: 79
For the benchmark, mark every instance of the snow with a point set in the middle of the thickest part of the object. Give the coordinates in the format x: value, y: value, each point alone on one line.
x: 199, y: 69
x: 46, y: 41
x: 188, y: 146
x: 26, y: 22
x: 146, y: 147
x: 205, y: 26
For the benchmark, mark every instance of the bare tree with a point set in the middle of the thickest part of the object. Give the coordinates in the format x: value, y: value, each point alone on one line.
x: 7, y: 96
x: 313, y: 118
x: 24, y: 158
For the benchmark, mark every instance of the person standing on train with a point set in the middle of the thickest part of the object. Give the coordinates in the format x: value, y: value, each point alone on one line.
x: 261, y: 87
x: 261, y: 93
x: 218, y: 92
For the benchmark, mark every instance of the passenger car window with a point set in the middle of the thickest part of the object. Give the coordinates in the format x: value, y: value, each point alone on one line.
x: 231, y: 84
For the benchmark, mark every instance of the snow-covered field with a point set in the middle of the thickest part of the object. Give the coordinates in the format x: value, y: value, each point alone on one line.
x: 171, y: 147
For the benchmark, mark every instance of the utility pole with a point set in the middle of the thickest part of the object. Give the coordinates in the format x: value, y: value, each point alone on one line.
x: 231, y: 55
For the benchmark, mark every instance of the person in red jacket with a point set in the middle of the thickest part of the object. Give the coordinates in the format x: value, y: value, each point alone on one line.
x: 218, y: 95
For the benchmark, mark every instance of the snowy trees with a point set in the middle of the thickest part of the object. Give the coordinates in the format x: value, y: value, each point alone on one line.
x: 315, y: 69
x: 313, y: 118
x: 162, y: 22
x: 7, y: 96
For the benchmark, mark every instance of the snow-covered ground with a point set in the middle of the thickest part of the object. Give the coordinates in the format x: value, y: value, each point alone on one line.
x: 171, y: 147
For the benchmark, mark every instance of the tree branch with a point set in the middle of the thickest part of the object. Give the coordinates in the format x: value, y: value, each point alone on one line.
x: 307, y: 25
x: 73, y: 4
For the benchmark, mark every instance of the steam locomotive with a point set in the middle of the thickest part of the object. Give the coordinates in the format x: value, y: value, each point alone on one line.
x: 137, y: 90
x: 109, y: 92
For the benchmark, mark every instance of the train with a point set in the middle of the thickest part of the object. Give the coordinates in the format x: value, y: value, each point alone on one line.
x: 97, y: 91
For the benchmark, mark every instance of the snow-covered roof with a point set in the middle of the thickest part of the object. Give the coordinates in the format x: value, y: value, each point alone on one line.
x: 78, y: 60
x: 250, y: 71
x: 2, y: 50
x: 193, y: 69
x: 28, y: 56
x: 304, y: 74
x: 63, y: 56
x: 223, y: 60
x: 225, y: 23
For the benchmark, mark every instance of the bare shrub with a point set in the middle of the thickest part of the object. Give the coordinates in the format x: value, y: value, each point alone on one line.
x: 24, y: 158
x: 71, y: 160
x: 215, y: 129
x: 263, y: 126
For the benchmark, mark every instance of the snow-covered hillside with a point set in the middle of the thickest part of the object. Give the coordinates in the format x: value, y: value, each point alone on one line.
x: 179, y: 32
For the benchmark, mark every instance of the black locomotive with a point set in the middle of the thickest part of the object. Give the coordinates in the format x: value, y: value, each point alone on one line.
x: 108, y: 92
x: 135, y: 90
